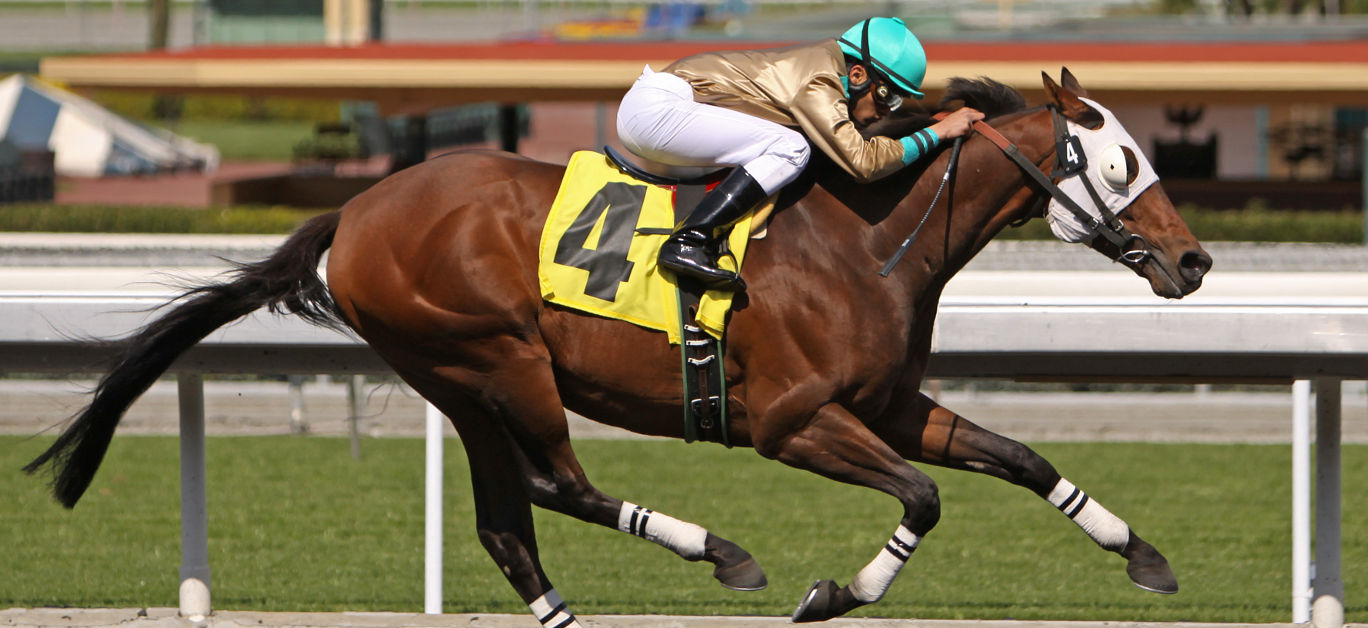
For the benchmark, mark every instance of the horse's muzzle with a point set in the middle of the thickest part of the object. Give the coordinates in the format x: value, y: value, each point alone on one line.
x: 1193, y: 266
x: 1176, y: 278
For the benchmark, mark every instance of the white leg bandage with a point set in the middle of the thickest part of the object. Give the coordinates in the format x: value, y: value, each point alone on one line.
x: 873, y: 581
x: 1107, y: 529
x: 552, y: 612
x: 681, y: 537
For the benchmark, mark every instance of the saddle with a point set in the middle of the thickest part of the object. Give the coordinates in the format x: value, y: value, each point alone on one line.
x: 664, y: 174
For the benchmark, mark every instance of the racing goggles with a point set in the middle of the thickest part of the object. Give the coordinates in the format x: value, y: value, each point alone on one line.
x: 891, y: 97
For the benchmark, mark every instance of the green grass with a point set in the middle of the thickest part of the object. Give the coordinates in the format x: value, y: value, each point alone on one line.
x: 296, y: 524
x: 245, y: 140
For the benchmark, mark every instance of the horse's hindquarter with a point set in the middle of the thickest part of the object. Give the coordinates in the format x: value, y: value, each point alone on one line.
x: 439, y: 248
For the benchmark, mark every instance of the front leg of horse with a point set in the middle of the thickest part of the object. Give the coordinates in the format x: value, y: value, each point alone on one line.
x: 932, y: 434
x: 837, y: 445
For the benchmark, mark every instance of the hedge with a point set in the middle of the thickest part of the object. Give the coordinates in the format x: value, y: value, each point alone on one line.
x: 1253, y: 224
x: 119, y: 219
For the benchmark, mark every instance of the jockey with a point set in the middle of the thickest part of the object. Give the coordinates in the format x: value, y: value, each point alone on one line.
x: 759, y: 109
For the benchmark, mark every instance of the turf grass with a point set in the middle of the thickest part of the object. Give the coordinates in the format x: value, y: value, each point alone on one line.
x: 296, y: 524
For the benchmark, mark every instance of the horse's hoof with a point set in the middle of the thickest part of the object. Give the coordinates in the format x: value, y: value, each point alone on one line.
x: 816, y: 604
x: 1147, y: 568
x: 823, y: 601
x: 743, y: 576
x: 734, y: 567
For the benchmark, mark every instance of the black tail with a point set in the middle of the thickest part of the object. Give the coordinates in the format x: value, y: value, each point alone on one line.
x: 287, y: 281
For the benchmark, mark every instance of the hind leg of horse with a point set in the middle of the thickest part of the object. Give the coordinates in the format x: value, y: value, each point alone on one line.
x: 503, y: 511
x: 933, y: 434
x: 555, y: 481
x: 521, y: 391
x: 835, y: 444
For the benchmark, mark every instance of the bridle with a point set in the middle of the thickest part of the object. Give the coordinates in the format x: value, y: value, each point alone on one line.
x: 1070, y: 161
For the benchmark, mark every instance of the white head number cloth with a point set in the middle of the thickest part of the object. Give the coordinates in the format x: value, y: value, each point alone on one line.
x: 1102, y: 148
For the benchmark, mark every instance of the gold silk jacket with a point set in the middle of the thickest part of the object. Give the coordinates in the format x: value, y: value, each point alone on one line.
x: 798, y: 87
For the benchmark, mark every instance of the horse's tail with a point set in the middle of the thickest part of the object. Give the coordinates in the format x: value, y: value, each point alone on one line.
x: 287, y: 281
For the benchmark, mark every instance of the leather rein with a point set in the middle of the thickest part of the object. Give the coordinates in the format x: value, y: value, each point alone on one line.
x: 1069, y: 161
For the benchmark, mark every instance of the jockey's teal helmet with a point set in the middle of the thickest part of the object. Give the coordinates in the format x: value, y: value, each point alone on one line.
x: 884, y: 45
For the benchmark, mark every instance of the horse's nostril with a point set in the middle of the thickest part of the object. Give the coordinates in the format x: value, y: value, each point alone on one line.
x: 1195, y: 264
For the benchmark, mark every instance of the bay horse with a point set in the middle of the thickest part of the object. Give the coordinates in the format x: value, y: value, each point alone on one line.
x: 436, y: 268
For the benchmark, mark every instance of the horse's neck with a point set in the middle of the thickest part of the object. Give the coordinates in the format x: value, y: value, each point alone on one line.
x: 869, y: 221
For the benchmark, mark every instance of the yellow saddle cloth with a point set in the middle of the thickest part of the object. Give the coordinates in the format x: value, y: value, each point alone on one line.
x: 595, y: 257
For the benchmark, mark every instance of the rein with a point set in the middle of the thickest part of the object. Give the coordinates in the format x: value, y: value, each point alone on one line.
x: 907, y: 243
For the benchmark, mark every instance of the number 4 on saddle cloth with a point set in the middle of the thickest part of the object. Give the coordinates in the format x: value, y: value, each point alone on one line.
x: 598, y: 248
x: 598, y: 255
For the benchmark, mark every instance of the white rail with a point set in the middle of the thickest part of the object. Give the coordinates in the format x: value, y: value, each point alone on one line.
x: 1317, y: 344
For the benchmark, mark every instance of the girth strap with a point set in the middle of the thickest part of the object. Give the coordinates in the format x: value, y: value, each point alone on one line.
x: 705, y: 381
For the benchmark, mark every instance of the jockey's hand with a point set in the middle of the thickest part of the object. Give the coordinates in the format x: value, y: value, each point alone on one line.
x: 958, y: 124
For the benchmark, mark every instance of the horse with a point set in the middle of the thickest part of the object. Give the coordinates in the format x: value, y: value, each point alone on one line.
x: 435, y: 267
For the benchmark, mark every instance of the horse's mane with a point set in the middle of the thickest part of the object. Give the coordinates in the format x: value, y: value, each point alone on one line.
x: 987, y: 95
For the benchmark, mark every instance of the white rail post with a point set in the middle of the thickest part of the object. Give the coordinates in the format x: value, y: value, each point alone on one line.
x: 1301, y: 501
x: 298, y: 424
x: 194, y: 571
x: 1327, y: 605
x: 356, y: 399
x: 432, y: 528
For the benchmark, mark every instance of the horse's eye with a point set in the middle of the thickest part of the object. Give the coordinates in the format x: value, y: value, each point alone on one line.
x: 1118, y: 167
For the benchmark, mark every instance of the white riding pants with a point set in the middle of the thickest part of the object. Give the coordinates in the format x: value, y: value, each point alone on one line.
x: 660, y: 121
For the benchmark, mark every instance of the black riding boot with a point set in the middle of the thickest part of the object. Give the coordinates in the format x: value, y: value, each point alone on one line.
x: 692, y: 248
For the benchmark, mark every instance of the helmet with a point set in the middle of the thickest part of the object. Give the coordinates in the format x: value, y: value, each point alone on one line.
x: 884, y: 45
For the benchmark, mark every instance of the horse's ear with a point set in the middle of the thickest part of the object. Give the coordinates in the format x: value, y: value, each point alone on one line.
x: 1068, y: 101
x: 1066, y: 78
